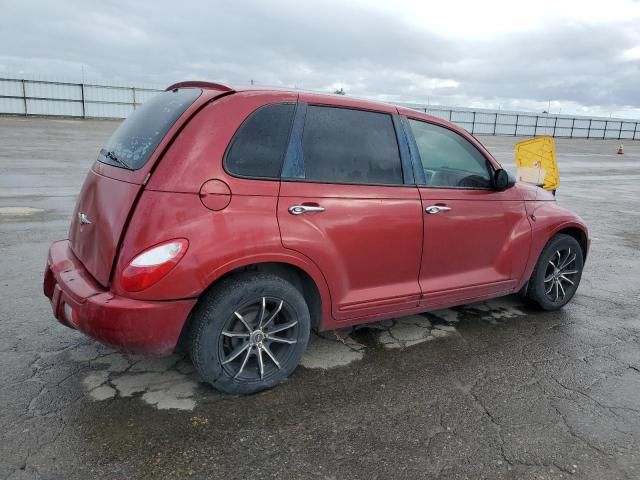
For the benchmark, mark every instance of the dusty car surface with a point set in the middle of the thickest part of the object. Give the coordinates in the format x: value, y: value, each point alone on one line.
x: 234, y: 220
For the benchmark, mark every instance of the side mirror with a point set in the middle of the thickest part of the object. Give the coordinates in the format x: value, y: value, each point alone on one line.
x: 503, y: 179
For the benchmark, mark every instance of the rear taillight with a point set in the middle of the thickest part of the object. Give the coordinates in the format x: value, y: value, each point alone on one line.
x: 151, y: 265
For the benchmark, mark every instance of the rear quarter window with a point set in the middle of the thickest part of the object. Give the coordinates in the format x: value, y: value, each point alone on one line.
x: 258, y: 147
x: 135, y: 140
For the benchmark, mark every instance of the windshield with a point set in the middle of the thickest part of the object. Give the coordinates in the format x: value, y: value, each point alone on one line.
x: 136, y: 139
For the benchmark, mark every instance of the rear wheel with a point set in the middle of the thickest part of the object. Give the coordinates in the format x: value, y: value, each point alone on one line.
x: 249, y: 333
x: 557, y: 274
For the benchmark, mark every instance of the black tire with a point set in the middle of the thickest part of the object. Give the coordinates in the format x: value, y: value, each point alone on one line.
x: 551, y: 287
x: 226, y: 321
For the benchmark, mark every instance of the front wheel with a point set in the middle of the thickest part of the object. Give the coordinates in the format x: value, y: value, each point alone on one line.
x: 557, y: 274
x: 249, y: 333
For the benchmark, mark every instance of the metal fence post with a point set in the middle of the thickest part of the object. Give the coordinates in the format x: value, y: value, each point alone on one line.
x: 133, y: 91
x: 554, y: 127
x: 573, y: 122
x: 589, y: 130
x: 473, y: 122
x: 535, y: 129
x: 604, y: 132
x: 84, y: 112
x: 24, y: 96
x: 620, y: 131
x: 495, y: 123
x: 515, y: 131
x: 635, y: 129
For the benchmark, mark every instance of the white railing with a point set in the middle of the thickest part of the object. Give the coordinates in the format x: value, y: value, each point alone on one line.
x: 495, y: 122
x: 85, y: 100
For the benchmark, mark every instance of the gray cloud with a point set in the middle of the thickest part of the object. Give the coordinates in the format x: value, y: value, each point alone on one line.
x: 579, y: 66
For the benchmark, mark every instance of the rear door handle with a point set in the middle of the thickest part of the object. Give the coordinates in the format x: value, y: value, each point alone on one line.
x: 433, y: 209
x: 300, y: 209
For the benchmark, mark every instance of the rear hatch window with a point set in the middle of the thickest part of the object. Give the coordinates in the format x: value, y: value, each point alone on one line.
x: 104, y: 203
x: 136, y: 139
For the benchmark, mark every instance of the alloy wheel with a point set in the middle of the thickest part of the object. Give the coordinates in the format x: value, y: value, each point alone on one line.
x: 560, y: 274
x: 258, y: 339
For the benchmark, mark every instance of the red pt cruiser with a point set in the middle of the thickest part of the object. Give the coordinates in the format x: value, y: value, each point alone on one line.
x: 235, y: 220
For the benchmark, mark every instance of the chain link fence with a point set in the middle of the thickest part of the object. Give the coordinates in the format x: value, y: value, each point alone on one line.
x: 20, y: 96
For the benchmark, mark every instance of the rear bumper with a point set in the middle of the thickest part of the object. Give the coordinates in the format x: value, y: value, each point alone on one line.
x: 79, y: 302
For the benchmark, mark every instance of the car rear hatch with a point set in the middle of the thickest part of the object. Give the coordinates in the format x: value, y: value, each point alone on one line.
x: 112, y: 186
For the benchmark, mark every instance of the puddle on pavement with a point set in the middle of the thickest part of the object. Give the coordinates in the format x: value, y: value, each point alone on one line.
x: 19, y: 211
x: 171, y: 382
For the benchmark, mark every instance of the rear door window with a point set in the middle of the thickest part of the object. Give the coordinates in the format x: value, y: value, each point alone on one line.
x: 448, y: 159
x: 342, y: 145
x: 258, y: 148
x: 137, y: 137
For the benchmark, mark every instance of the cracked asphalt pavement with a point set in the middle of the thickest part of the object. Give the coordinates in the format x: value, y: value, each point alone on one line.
x: 496, y: 390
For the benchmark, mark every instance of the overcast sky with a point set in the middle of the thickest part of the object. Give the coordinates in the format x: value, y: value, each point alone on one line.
x: 583, y: 56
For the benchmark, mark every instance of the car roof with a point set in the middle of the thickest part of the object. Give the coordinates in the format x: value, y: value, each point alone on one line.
x: 353, y: 102
x: 220, y: 87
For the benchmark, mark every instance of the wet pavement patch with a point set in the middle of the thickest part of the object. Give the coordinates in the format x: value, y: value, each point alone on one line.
x: 19, y: 211
x: 165, y: 383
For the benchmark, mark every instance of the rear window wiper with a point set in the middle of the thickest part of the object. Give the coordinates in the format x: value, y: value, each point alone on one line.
x: 112, y: 156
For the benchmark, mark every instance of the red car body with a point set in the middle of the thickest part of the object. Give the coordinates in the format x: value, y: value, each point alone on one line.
x: 372, y: 255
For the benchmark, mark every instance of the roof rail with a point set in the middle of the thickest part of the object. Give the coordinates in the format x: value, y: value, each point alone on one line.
x: 200, y: 84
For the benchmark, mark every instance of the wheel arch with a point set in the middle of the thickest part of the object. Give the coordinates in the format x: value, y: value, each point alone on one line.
x: 578, y: 233
x: 305, y: 277
x: 295, y: 275
x: 543, y: 236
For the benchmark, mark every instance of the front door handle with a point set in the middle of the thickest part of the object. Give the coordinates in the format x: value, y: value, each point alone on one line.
x: 300, y: 209
x: 432, y: 209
